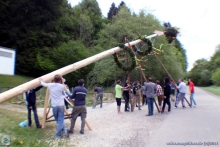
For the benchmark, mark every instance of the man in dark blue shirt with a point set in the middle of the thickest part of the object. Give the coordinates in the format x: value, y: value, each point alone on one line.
x: 79, y: 108
x: 31, y: 105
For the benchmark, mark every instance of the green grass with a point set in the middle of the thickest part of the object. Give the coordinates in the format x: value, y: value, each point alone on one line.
x: 213, y: 89
x: 31, y: 137
x: 12, y: 81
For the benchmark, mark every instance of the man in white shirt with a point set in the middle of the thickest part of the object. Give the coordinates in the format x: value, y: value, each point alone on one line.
x: 182, y: 92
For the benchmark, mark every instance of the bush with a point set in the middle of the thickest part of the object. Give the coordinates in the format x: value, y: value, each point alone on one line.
x: 216, y: 77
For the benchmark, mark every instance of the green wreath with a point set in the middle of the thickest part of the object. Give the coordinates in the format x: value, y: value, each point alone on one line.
x: 132, y: 56
x: 149, y: 47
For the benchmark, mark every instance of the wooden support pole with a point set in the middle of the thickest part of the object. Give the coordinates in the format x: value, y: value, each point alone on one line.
x: 45, y: 108
x: 169, y: 74
x: 48, y: 111
x: 156, y: 106
x: 49, y: 120
x: 146, y: 81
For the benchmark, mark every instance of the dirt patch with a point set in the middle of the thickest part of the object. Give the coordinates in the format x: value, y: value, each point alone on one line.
x: 132, y: 129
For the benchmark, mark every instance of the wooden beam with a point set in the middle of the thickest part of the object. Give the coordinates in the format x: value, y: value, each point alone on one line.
x: 63, y: 71
x: 45, y: 108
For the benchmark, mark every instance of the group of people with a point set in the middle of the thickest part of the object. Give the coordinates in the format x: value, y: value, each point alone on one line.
x: 132, y: 93
x: 57, y: 91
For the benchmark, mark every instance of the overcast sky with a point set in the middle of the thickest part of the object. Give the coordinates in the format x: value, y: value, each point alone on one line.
x: 198, y: 20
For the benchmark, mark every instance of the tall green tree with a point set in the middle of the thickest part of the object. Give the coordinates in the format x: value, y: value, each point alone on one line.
x: 200, y: 73
x: 33, y: 28
x: 125, y: 24
x: 88, y: 21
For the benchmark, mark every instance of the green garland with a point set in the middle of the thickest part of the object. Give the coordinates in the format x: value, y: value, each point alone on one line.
x: 132, y: 56
x: 149, y: 47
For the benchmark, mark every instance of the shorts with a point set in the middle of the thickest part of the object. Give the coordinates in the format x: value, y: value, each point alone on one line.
x: 118, y: 100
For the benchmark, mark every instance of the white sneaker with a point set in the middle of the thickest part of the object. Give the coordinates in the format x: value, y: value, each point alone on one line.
x: 175, y: 107
x: 195, y: 106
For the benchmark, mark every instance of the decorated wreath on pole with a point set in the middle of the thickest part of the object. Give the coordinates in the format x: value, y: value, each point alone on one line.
x: 149, y: 47
x: 124, y: 66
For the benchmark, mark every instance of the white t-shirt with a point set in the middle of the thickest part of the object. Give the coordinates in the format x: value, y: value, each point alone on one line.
x: 182, y: 87
x: 56, y: 93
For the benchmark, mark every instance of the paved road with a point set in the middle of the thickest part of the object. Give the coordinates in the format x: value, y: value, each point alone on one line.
x: 193, y: 125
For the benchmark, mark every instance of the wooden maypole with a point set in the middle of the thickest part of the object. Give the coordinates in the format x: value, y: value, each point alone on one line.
x: 63, y: 71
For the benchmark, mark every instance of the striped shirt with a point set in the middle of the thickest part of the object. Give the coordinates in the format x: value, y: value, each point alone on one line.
x: 159, y: 90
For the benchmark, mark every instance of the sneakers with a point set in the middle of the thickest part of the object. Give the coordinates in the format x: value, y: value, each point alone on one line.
x: 81, y: 132
x: 184, y: 107
x: 175, y: 107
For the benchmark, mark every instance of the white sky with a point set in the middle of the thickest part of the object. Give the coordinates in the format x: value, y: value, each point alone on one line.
x: 198, y: 20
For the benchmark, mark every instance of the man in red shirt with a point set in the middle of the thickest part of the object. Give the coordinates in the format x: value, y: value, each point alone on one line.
x: 191, y: 90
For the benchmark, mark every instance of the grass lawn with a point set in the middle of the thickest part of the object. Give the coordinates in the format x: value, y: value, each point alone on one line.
x: 27, y: 137
x: 213, y: 89
x: 7, y: 80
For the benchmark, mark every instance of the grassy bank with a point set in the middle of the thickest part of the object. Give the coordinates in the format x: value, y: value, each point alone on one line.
x: 213, y: 89
x: 28, y: 137
x: 7, y: 82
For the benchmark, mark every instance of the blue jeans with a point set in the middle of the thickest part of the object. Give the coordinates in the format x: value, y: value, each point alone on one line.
x: 192, y: 100
x: 58, y: 113
x: 34, y: 109
x: 150, y: 102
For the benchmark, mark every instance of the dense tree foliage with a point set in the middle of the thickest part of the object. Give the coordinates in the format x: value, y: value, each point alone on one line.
x: 206, y: 72
x: 51, y: 34
x: 126, y: 25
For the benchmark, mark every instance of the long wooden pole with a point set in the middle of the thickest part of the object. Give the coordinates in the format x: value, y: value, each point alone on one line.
x: 169, y: 75
x: 63, y: 71
x: 146, y: 81
x: 45, y: 108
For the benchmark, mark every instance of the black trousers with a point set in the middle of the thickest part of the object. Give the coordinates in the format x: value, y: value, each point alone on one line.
x: 166, y: 101
x: 126, y: 98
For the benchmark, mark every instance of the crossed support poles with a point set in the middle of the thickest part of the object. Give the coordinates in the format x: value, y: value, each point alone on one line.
x: 146, y: 81
x: 168, y: 74
x: 47, y: 110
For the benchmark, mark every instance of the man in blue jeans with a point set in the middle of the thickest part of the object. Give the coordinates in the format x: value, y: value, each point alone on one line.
x: 31, y: 105
x: 150, y: 90
x: 57, y: 100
